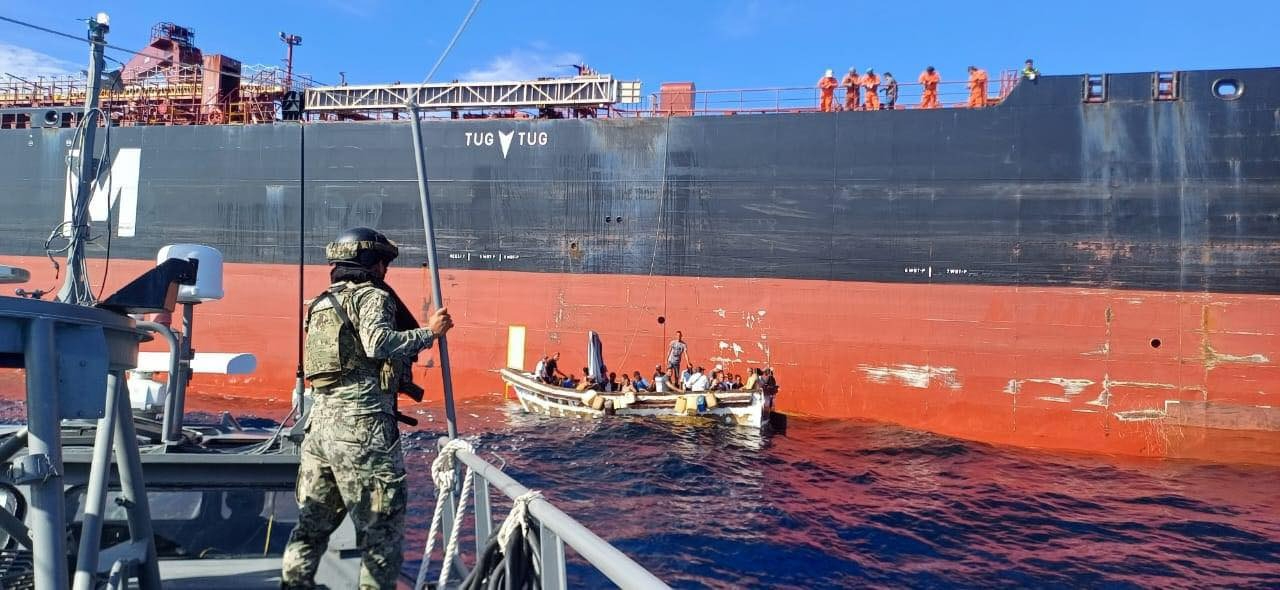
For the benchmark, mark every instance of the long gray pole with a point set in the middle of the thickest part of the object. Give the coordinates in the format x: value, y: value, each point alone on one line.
x: 95, y: 498
x: 44, y: 445
x: 419, y: 154
x: 134, y: 490
x: 76, y: 289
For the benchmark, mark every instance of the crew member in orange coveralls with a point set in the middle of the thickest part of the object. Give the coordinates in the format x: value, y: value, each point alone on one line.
x: 977, y: 87
x: 852, y: 92
x: 929, y: 79
x: 828, y: 87
x: 872, y: 83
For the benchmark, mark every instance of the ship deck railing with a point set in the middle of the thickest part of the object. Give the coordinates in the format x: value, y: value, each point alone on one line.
x: 799, y: 99
x: 176, y: 99
x: 555, y: 530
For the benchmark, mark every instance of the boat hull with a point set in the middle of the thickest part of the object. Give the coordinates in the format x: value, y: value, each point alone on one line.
x: 747, y: 409
x: 1052, y: 368
x: 1049, y: 272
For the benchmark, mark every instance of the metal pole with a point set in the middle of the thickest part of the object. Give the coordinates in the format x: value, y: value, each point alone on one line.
x: 95, y: 498
x: 179, y: 391
x: 299, y: 385
x: 133, y: 492
x: 419, y: 154
x: 10, y: 447
x: 483, y: 518
x: 552, y: 554
x: 172, y: 424
x: 76, y: 289
x: 14, y: 527
x: 44, y: 443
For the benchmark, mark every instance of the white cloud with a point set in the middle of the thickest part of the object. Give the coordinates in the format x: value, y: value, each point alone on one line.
x: 528, y: 63
x: 29, y: 63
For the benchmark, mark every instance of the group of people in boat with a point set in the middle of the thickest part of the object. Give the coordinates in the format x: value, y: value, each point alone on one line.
x: 666, y: 378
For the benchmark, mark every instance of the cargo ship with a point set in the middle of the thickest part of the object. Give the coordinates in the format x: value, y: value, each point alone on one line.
x: 1087, y: 263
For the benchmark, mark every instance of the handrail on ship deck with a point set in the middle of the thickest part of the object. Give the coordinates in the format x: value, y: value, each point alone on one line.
x: 796, y: 99
x: 175, y: 98
x: 557, y: 529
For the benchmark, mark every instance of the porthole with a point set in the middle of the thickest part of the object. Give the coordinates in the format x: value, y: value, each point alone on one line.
x: 662, y: 319
x: 1228, y: 89
x: 1155, y: 343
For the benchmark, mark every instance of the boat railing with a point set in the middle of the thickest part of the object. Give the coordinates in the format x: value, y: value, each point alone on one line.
x: 555, y: 528
x: 794, y: 99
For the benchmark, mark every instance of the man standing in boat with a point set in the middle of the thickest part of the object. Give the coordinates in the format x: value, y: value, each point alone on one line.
x: 674, y: 354
x: 360, y: 342
x: 551, y: 370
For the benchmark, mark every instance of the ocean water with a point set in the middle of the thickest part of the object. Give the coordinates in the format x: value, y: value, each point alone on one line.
x: 839, y: 504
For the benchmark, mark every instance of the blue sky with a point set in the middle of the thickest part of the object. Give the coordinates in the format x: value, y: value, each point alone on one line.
x: 715, y: 43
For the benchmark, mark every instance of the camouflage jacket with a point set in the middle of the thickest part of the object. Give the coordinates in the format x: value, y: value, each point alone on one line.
x: 369, y: 385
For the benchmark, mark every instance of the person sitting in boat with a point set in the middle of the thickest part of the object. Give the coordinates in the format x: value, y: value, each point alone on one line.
x: 685, y: 377
x: 660, y: 380
x: 627, y: 386
x: 587, y: 382
x: 569, y: 382
x: 639, y: 382
x: 698, y: 381
x: 737, y: 381
x: 551, y: 369
x: 611, y: 384
x: 752, y: 379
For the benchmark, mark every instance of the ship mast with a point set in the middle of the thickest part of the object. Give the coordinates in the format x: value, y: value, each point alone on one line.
x: 76, y: 288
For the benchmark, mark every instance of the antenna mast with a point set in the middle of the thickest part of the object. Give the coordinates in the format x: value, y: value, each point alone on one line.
x: 76, y: 288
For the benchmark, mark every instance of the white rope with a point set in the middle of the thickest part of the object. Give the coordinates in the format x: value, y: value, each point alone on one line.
x: 518, y: 517
x: 452, y: 548
x: 443, y: 473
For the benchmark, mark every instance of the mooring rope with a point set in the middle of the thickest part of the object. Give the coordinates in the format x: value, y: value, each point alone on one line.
x: 443, y: 472
x: 518, y: 517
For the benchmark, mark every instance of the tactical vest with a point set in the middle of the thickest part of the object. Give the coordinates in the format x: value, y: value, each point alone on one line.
x: 332, y: 345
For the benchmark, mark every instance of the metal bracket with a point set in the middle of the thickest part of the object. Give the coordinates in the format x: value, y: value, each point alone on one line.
x: 31, y: 469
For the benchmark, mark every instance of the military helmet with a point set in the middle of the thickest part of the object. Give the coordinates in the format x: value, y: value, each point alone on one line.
x: 361, y: 246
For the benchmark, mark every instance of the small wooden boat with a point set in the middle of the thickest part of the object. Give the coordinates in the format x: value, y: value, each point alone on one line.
x: 749, y: 408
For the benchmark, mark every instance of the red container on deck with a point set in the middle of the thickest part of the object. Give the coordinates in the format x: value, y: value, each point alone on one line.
x: 676, y: 98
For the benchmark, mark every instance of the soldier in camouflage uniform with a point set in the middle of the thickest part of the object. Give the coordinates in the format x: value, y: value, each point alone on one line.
x: 360, y: 342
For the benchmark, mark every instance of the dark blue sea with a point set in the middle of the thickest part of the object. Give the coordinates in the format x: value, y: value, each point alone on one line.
x: 839, y: 504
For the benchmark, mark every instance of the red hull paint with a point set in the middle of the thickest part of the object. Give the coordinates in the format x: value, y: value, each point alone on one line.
x: 1055, y: 368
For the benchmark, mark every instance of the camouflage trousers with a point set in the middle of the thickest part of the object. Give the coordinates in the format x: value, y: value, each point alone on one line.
x: 350, y: 465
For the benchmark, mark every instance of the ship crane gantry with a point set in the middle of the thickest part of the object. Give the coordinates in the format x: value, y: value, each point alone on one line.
x: 577, y: 91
